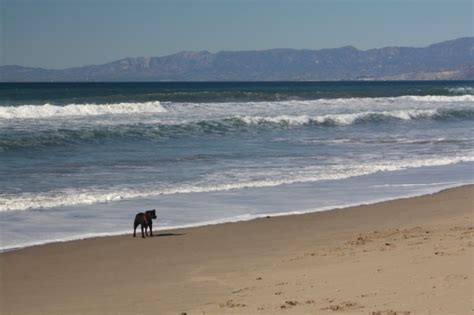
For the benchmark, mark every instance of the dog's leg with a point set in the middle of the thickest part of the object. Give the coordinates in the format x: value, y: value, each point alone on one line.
x: 143, y: 234
x: 151, y: 231
x: 135, y: 224
x: 146, y: 230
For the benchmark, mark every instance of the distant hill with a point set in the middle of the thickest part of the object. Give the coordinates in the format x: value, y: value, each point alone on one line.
x: 449, y: 60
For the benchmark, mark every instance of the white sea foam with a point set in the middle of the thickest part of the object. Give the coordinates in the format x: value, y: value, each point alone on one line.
x: 437, y: 98
x: 48, y: 110
x: 382, y: 140
x: 71, y: 197
x: 365, y: 102
x: 344, y: 119
x: 57, y: 111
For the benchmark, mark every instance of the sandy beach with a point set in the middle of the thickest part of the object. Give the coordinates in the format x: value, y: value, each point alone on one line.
x: 410, y: 256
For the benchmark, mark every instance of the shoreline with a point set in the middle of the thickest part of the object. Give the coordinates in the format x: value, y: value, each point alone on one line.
x: 404, y: 255
x: 236, y: 219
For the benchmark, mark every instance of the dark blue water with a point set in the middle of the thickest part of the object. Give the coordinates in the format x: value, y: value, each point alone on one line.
x: 206, y: 152
x: 102, y: 93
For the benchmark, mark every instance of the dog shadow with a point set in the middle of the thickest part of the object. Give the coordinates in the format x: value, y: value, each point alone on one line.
x: 167, y: 234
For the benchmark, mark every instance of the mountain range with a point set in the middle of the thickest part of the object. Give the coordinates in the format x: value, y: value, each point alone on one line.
x: 448, y: 60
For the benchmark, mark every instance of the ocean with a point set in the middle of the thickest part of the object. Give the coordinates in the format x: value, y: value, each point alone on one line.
x: 79, y: 160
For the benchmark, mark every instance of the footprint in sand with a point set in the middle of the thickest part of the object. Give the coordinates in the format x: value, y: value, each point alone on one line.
x: 231, y: 304
x: 344, y: 306
x: 289, y: 304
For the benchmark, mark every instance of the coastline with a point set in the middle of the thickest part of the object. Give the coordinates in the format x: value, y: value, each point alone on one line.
x: 240, y: 218
x: 353, y: 260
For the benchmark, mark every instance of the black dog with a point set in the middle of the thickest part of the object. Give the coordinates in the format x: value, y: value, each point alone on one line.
x: 145, y: 220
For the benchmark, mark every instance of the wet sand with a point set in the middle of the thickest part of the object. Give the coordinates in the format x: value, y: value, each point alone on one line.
x: 409, y: 255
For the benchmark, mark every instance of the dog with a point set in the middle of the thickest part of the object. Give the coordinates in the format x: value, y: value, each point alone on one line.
x: 145, y: 220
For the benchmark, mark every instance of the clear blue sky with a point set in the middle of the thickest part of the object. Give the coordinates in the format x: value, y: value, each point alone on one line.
x: 66, y: 33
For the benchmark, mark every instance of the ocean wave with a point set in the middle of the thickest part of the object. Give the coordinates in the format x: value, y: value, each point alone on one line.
x: 48, y: 110
x: 72, y: 197
x: 436, y: 98
x: 462, y: 90
x: 376, y: 140
x: 12, y: 140
x: 362, y: 117
x: 77, y: 110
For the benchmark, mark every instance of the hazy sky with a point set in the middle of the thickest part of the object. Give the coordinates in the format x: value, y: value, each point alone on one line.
x: 66, y: 33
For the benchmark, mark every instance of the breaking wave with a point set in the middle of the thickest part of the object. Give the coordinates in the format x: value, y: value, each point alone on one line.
x: 77, y: 110
x: 48, y: 110
x: 233, y: 124
x: 363, y: 117
x: 438, y: 98
x: 462, y: 90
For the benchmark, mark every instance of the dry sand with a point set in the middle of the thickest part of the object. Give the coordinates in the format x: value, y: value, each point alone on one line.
x: 410, y: 255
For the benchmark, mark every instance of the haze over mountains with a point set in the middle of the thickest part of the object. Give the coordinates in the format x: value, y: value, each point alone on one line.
x: 448, y: 60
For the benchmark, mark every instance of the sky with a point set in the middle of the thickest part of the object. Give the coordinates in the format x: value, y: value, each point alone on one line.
x: 66, y: 33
